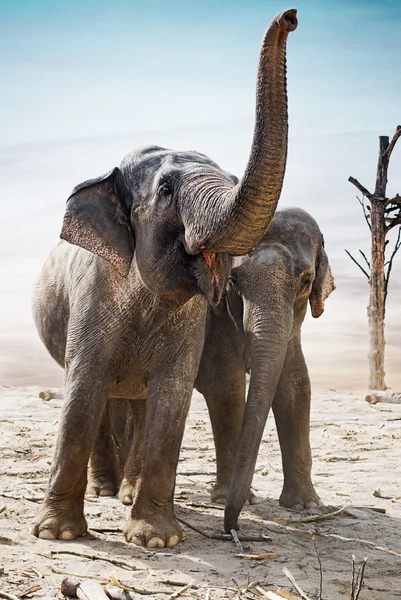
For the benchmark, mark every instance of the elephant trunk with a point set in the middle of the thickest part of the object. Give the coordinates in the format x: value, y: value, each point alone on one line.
x: 238, y: 216
x: 269, y: 337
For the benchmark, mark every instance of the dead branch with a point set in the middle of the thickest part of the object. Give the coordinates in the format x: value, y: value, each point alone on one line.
x: 390, y: 223
x: 362, y: 189
x: 393, y: 142
x: 289, y: 575
x: 3, y: 508
x: 357, y: 263
x: 365, y: 258
x: 357, y: 579
x: 364, y: 210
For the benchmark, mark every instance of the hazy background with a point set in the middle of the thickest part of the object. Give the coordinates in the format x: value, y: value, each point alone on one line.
x: 83, y: 82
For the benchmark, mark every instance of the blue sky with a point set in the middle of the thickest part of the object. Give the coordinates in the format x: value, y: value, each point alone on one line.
x: 81, y: 68
x: 83, y: 82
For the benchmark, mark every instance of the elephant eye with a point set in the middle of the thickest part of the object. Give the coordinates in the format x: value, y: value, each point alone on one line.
x: 306, y: 282
x: 165, y: 190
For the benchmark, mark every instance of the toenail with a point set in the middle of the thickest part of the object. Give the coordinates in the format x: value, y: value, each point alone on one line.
x: 155, y: 543
x: 127, y: 500
x: 106, y: 493
x: 172, y: 541
x: 67, y: 535
x: 46, y: 534
x: 137, y: 541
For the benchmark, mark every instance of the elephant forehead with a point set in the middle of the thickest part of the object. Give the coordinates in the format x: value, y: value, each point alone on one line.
x: 146, y: 163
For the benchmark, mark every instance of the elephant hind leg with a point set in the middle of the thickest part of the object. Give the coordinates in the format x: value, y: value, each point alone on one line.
x: 134, y: 452
x: 109, y: 450
x: 291, y: 407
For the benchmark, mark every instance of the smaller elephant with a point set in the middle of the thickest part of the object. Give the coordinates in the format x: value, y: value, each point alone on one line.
x: 257, y: 328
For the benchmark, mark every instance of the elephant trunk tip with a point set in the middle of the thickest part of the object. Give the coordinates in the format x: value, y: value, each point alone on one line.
x: 288, y: 21
x: 231, y: 515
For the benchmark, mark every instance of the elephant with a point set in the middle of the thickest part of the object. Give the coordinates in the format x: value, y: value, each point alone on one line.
x: 121, y: 302
x: 256, y: 328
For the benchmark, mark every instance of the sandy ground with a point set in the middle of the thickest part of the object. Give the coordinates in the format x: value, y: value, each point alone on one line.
x: 356, y: 450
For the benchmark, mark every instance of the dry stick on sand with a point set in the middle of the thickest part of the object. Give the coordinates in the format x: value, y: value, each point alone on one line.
x: 114, y: 561
x: 320, y: 567
x: 357, y: 579
x: 181, y: 591
x: 8, y: 596
x: 295, y: 584
x: 225, y: 537
x: 17, y: 497
x: 313, y: 518
x: 337, y: 537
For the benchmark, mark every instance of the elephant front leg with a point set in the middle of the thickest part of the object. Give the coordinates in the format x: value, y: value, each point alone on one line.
x: 152, y: 521
x: 61, y: 516
x: 291, y: 407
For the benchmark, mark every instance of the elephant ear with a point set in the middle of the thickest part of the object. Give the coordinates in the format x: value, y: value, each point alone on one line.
x: 323, y: 283
x: 97, y: 219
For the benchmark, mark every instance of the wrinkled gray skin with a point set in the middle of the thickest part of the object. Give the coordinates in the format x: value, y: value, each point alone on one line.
x: 257, y: 328
x: 132, y: 326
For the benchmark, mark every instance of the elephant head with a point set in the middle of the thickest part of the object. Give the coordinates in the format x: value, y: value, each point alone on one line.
x: 288, y: 268
x: 178, y: 211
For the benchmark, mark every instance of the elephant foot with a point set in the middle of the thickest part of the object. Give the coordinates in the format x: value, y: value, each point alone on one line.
x: 219, y: 494
x: 102, y: 485
x: 127, y: 492
x: 60, y: 520
x: 153, y: 532
x: 299, y: 497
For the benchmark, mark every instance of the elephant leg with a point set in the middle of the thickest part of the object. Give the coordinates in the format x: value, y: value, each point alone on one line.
x: 226, y: 402
x: 152, y: 521
x: 291, y: 407
x: 61, y: 515
x: 104, y: 469
x: 133, y: 463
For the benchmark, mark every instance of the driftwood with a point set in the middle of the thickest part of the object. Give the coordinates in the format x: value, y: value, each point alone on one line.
x: 93, y: 590
x: 85, y: 590
x: 51, y: 394
x: 389, y: 397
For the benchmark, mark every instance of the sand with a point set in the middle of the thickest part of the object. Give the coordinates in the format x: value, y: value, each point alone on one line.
x: 355, y: 450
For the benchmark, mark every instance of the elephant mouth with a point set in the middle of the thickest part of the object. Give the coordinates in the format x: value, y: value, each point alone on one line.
x: 210, y: 259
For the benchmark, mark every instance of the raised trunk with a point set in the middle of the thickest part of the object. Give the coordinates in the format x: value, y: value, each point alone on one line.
x: 236, y: 218
x: 269, y: 339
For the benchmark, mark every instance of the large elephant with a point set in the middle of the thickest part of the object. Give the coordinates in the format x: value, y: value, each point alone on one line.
x: 132, y: 326
x: 257, y: 328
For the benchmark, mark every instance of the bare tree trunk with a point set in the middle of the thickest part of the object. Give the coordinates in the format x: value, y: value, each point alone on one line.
x: 382, y: 215
x: 377, y: 274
